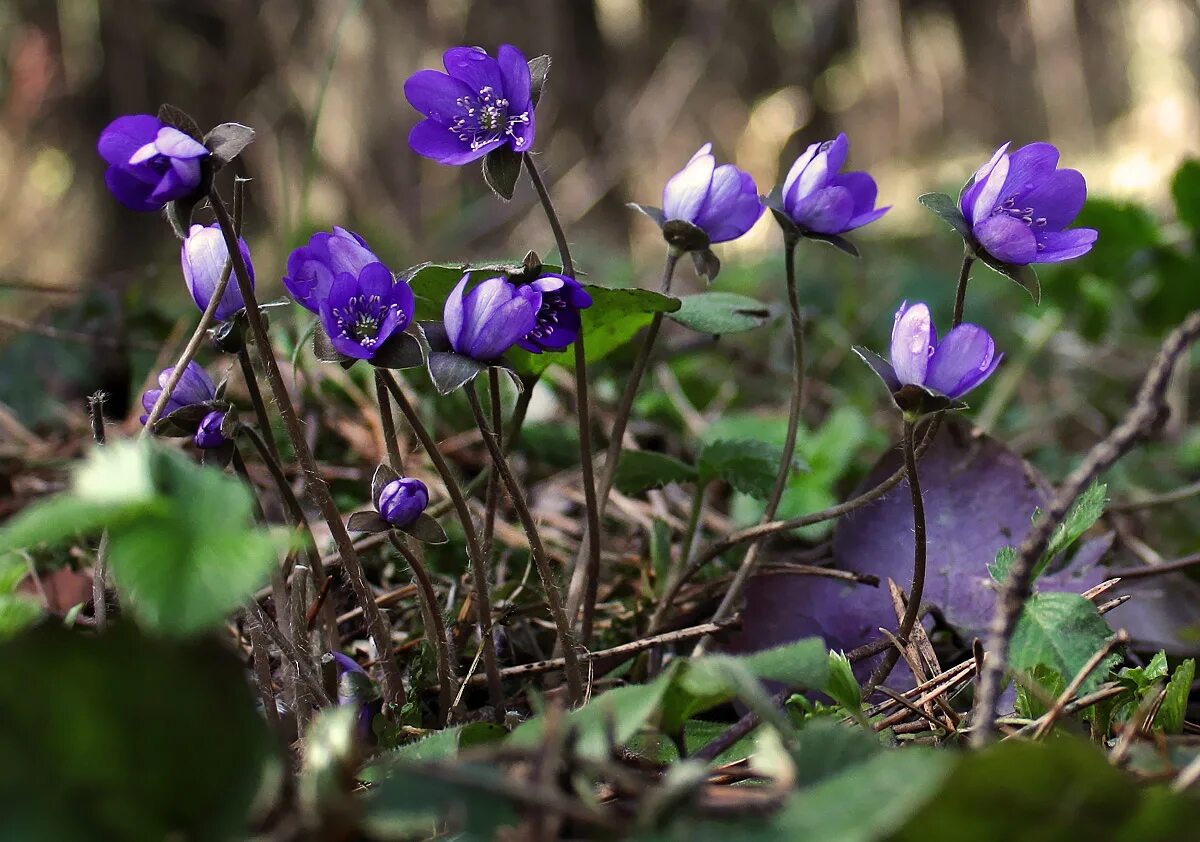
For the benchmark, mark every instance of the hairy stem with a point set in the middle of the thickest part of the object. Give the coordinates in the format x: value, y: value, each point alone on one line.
x: 479, y: 578
x: 493, y: 483
x: 536, y: 550
x: 388, y: 424
x: 960, y: 292
x: 435, y: 628
x: 314, y: 483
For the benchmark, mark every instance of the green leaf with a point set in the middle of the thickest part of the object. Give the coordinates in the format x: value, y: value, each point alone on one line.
x: 947, y: 210
x: 842, y: 686
x: 1040, y: 687
x: 1185, y: 190
x: 1061, y: 631
x: 825, y: 748
x: 17, y: 613
x: 721, y: 312
x: 639, y: 470
x: 1174, y: 707
x: 999, y: 569
x: 154, y: 740
x: 1084, y: 513
x: 747, y: 465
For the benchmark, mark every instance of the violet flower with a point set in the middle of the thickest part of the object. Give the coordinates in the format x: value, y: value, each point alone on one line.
x: 494, y: 316
x: 818, y: 198
x: 1018, y: 205
x: 402, y: 501
x: 721, y: 201
x: 203, y: 257
x: 558, y: 319
x: 962, y: 360
x: 354, y: 688
x: 208, y: 434
x: 194, y: 387
x: 312, y: 268
x: 479, y: 104
x: 149, y: 162
x: 362, y: 311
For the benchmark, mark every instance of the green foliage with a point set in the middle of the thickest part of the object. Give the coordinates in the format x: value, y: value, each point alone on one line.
x: 640, y: 470
x: 1037, y: 689
x: 747, y: 465
x: 1061, y: 631
x: 842, y: 686
x: 16, y: 611
x: 1083, y: 515
x: 1185, y: 190
x: 126, y: 737
x: 720, y: 312
x: 1174, y: 707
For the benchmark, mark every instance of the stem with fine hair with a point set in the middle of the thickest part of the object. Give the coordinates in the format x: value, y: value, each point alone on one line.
x: 536, y: 550
x: 435, y: 628
x: 592, y: 508
x: 479, y: 578
x: 960, y: 292
x: 796, y: 318
x: 256, y: 400
x: 387, y: 423
x: 913, y: 609
x: 314, y: 483
x: 612, y: 454
x: 493, y: 483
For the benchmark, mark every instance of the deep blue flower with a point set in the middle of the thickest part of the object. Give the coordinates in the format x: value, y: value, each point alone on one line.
x: 819, y: 198
x: 149, y: 162
x: 203, y: 257
x: 195, y: 386
x: 961, y: 361
x: 721, y: 201
x: 558, y: 319
x: 208, y: 434
x: 362, y: 311
x: 479, y: 104
x: 1019, y: 204
x: 494, y: 316
x: 312, y: 268
x: 402, y: 500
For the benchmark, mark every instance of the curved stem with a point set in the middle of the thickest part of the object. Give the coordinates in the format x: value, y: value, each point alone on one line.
x: 314, y: 483
x: 388, y: 423
x: 960, y: 292
x: 435, y: 628
x: 749, y: 561
x: 913, y: 609
x: 612, y: 454
x: 479, y: 579
x: 591, y: 537
x: 256, y: 401
x: 536, y: 550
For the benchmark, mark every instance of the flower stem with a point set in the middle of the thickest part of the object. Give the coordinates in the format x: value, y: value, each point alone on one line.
x: 314, y: 483
x: 435, y: 628
x: 750, y: 559
x: 960, y: 293
x: 493, y: 483
x: 388, y: 423
x: 612, y: 454
x: 536, y: 549
x: 256, y: 401
x: 915, y: 593
x: 483, y: 603
x: 591, y: 538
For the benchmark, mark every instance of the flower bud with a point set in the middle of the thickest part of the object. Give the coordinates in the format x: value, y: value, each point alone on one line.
x: 313, y: 268
x: 203, y: 258
x: 149, y: 162
x: 402, y: 501
x: 721, y: 201
x: 820, y: 199
x: 208, y: 434
x: 494, y: 316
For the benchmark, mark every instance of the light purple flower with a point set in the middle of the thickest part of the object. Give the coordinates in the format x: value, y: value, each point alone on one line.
x: 494, y: 316
x: 1018, y: 206
x: 402, y: 500
x: 149, y: 162
x: 362, y: 311
x: 961, y: 361
x: 195, y: 386
x: 721, y: 201
x: 208, y: 434
x: 819, y: 198
x: 558, y: 319
x: 479, y: 104
x: 312, y: 268
x: 203, y: 257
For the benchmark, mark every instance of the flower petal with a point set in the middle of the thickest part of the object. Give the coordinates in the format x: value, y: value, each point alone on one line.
x: 125, y: 135
x: 684, y: 193
x: 1058, y: 199
x: 436, y: 95
x: 1065, y: 245
x: 474, y: 67
x: 1028, y: 166
x: 431, y: 139
x: 1007, y: 239
x: 989, y: 192
x: 801, y: 163
x: 506, y: 325
x: 913, y: 339
x: 375, y: 279
x: 966, y: 202
x: 130, y: 191
x: 452, y: 313
x: 963, y: 359
x: 480, y: 306
x: 514, y: 70
x: 827, y: 211
x: 732, y: 205
x: 173, y: 143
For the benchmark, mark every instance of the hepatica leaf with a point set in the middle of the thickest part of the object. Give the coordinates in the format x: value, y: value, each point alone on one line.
x: 747, y: 465
x: 640, y: 470
x: 721, y: 312
x: 1061, y: 631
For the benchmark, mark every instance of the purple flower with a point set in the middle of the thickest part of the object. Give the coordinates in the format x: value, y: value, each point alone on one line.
x: 208, y: 434
x: 194, y: 387
x: 819, y: 198
x: 956, y: 365
x: 558, y: 319
x: 402, y: 500
x: 1019, y: 204
x: 203, y: 257
x: 149, y: 162
x: 361, y: 311
x: 353, y: 688
x: 479, y: 104
x: 721, y: 201
x: 312, y: 268
x: 493, y: 316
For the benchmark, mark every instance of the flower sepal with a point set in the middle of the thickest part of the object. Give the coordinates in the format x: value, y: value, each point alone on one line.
x: 917, y: 401
x: 182, y: 423
x: 502, y: 170
x: 1023, y: 276
x: 791, y: 231
x: 946, y: 209
x: 449, y: 370
x: 424, y: 529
